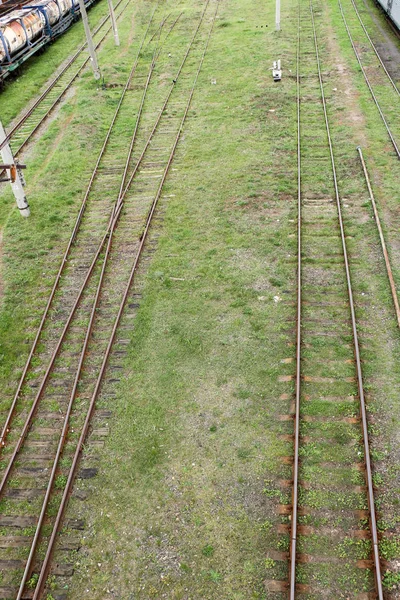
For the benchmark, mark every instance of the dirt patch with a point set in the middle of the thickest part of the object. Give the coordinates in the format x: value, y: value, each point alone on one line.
x: 132, y: 33
x: 345, y: 88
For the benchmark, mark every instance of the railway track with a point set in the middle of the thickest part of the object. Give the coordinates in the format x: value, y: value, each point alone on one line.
x: 28, y: 124
x: 383, y: 89
x: 51, y: 413
x: 382, y: 240
x: 333, y: 528
x: 386, y: 81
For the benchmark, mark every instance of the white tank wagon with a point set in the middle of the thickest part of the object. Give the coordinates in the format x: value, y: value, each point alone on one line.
x: 23, y: 32
x: 19, y: 31
x: 392, y: 9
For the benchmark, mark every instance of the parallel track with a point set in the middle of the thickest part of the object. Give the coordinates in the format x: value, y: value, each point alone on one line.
x: 95, y: 177
x: 105, y: 284
x: 303, y: 332
x: 371, y: 87
x: 392, y: 83
x: 24, y: 129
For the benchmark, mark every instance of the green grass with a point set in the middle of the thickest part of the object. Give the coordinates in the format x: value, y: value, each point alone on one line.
x: 34, y: 73
x: 189, y: 479
x: 32, y: 248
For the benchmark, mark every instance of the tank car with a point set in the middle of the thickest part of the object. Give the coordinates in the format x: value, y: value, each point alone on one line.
x: 24, y: 31
x: 392, y: 9
x: 19, y: 30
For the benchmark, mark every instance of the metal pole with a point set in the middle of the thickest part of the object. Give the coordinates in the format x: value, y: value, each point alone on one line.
x: 113, y: 22
x: 89, y: 39
x: 278, y: 15
x: 18, y: 183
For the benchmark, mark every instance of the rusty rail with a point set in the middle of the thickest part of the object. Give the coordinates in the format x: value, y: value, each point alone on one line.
x: 64, y: 260
x: 369, y: 83
x: 72, y: 473
x: 396, y: 89
x: 363, y: 411
x: 113, y: 222
x: 11, y: 411
x: 84, y: 285
x: 295, y: 487
x: 39, y: 100
x: 381, y: 237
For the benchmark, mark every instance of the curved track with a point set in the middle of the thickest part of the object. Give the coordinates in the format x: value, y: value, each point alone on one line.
x: 87, y: 302
x: 331, y: 263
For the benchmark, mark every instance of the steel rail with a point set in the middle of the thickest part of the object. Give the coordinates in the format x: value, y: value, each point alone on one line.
x: 363, y: 411
x: 396, y: 89
x: 166, y: 99
x: 75, y: 230
x: 114, y: 218
x: 69, y: 319
x: 65, y: 428
x: 55, y: 286
x: 63, y: 436
x: 60, y: 446
x: 368, y: 83
x: 124, y: 185
x: 46, y: 562
x: 295, y: 486
x: 90, y: 270
x: 7, y: 7
x: 381, y: 237
x: 71, y: 61
x: 65, y: 89
x: 165, y: 19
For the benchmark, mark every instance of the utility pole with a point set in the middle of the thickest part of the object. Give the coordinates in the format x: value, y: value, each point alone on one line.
x: 113, y: 22
x: 92, y: 51
x: 278, y: 15
x: 14, y: 175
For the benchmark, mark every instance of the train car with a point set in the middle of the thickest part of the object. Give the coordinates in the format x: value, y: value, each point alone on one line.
x: 392, y: 9
x: 19, y: 32
x: 24, y: 31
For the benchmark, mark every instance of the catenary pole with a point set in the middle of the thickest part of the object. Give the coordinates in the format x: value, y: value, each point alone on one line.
x: 17, y: 184
x: 113, y: 22
x: 92, y: 51
x: 278, y: 15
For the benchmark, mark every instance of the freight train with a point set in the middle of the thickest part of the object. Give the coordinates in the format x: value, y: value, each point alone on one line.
x: 392, y: 9
x: 28, y: 29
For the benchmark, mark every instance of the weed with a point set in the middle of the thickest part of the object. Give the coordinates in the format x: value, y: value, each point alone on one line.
x: 269, y: 563
x: 208, y: 550
x: 32, y: 582
x: 391, y: 580
x: 214, y: 576
x: 60, y: 482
